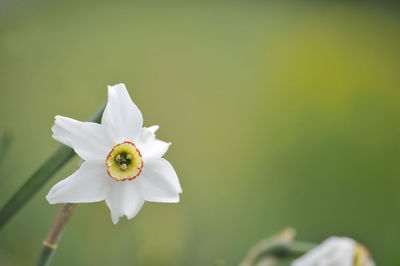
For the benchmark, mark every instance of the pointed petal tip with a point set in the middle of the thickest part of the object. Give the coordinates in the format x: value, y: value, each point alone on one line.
x: 117, y: 89
x: 50, y: 199
x: 57, y: 118
x: 154, y: 128
x: 177, y: 199
x: 121, y: 106
x: 115, y: 220
x: 61, y: 118
x: 131, y: 216
x: 171, y: 199
x: 116, y: 86
x: 53, y: 128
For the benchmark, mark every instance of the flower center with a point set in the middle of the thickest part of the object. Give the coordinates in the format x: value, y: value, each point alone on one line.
x: 361, y: 255
x: 124, y: 162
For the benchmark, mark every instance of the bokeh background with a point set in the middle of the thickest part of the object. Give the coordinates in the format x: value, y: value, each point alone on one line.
x: 280, y: 114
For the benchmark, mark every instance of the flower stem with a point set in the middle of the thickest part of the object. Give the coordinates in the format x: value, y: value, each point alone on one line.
x: 40, y: 177
x: 63, y: 215
x: 46, y: 253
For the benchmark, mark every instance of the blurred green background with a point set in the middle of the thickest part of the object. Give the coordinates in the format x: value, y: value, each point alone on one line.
x: 279, y: 113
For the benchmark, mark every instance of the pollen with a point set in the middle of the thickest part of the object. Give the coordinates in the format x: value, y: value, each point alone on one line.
x: 124, y: 162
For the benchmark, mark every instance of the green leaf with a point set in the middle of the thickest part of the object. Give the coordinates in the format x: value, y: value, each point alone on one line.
x: 40, y: 177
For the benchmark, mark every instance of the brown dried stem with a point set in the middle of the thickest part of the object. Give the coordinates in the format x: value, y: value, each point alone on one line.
x: 63, y: 216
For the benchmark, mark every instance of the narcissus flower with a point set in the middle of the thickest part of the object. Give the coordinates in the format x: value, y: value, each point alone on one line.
x: 336, y: 251
x: 123, y: 162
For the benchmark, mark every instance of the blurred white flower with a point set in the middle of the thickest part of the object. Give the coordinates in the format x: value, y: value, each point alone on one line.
x: 123, y: 162
x: 336, y: 251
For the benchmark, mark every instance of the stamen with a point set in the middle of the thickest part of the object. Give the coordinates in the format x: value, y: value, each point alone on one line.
x: 124, y: 162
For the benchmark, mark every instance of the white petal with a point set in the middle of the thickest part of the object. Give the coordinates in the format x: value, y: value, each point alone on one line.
x: 124, y: 200
x: 158, y: 181
x: 90, y: 183
x: 121, y: 117
x: 154, y: 128
x: 148, y: 145
x: 89, y: 140
x: 335, y: 251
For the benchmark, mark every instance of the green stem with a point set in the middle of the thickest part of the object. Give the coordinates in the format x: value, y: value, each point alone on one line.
x: 63, y: 216
x: 46, y: 253
x: 40, y: 177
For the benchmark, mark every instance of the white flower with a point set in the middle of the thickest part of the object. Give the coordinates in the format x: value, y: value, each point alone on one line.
x: 123, y: 162
x: 336, y: 251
